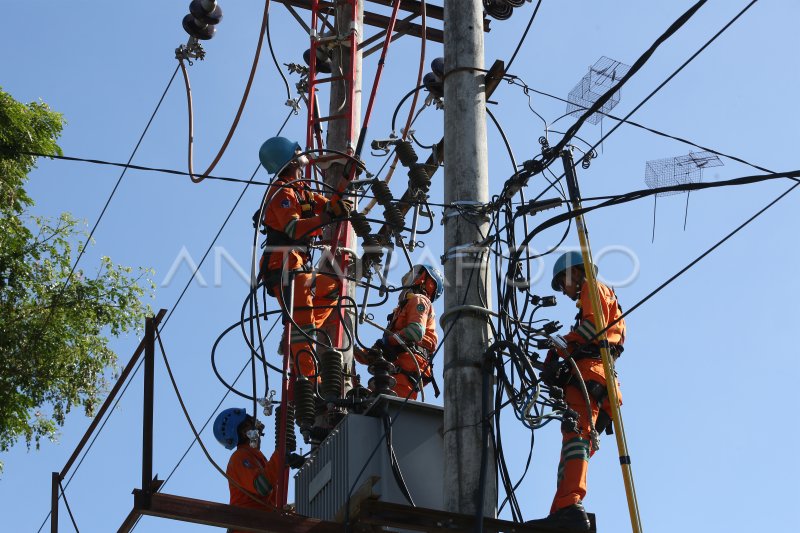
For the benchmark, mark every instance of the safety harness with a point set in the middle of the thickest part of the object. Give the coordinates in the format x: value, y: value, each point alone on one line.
x: 597, y: 391
x: 278, y: 239
x: 392, y: 352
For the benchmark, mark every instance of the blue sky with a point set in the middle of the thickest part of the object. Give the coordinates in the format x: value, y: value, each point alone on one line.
x: 709, y: 368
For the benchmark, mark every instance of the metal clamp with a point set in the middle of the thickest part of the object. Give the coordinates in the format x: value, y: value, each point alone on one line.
x: 475, y: 309
x: 464, y: 250
x: 456, y: 209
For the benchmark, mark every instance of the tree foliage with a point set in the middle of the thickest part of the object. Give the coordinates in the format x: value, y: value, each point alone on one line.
x: 55, y: 328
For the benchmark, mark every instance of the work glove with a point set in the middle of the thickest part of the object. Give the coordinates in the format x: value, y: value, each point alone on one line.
x: 339, y: 209
x: 365, y: 357
x: 257, y: 222
x: 554, y: 373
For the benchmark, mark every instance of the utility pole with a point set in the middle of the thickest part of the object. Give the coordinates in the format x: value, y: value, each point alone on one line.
x: 466, y: 183
x: 341, y: 136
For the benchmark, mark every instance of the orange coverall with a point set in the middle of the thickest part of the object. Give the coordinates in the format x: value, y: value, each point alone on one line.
x: 292, y: 217
x: 576, y: 447
x: 250, y: 468
x: 413, y: 321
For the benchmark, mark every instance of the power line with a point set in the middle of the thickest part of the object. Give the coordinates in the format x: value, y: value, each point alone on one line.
x: 119, y: 180
x: 141, y: 167
x: 637, y: 65
x: 698, y: 258
x: 524, y: 35
x: 174, y: 307
x: 675, y: 73
x: 660, y: 133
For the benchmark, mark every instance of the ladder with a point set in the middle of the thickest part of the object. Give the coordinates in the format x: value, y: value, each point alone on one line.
x: 320, y: 41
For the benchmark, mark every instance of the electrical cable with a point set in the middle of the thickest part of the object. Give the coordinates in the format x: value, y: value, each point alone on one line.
x: 277, y: 65
x: 174, y: 306
x: 524, y: 35
x: 669, y: 78
x: 85, y: 245
x: 697, y: 260
x: 191, y: 444
x: 394, y: 463
x: 637, y: 65
x: 216, y: 466
x: 647, y: 128
x: 69, y: 510
x: 94, y: 438
x: 140, y: 167
x: 232, y: 130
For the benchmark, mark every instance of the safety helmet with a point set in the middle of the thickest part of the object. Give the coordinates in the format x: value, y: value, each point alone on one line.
x: 564, y: 263
x: 413, y: 277
x: 226, y: 426
x: 276, y: 152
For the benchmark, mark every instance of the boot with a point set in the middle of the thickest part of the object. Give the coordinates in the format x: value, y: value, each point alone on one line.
x: 572, y: 518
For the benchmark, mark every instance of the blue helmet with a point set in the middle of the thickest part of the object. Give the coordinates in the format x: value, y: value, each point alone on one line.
x: 276, y: 152
x: 564, y: 263
x: 226, y: 426
x: 414, y: 274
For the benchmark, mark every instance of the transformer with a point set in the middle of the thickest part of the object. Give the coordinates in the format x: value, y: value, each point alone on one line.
x: 356, y: 450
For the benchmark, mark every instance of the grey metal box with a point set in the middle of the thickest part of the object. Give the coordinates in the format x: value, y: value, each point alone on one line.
x: 342, y: 463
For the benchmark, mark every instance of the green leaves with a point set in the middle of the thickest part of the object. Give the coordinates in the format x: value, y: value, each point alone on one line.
x: 54, y: 330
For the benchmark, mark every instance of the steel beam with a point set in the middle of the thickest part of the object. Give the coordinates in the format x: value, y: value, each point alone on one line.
x: 392, y: 515
x: 382, y: 21
x: 110, y: 398
x: 222, y: 515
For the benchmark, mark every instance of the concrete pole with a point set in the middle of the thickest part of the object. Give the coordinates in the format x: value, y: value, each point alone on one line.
x: 466, y: 181
x: 340, y: 138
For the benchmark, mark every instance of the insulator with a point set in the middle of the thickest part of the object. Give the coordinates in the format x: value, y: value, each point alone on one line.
x: 197, y: 29
x: 405, y: 151
x: 304, y: 402
x: 382, y: 380
x: 373, y: 252
x: 331, y: 374
x: 372, y: 241
x: 433, y: 84
x: 419, y: 178
x: 393, y: 216
x: 498, y: 9
x: 360, y: 224
x: 382, y: 193
x: 291, y: 438
x: 437, y: 66
x: 323, y: 64
x: 210, y: 13
x: 516, y: 3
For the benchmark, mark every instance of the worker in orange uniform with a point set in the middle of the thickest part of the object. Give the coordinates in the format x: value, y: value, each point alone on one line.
x: 248, y: 469
x: 292, y: 218
x: 410, y: 338
x: 583, y: 347
x: 252, y: 477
